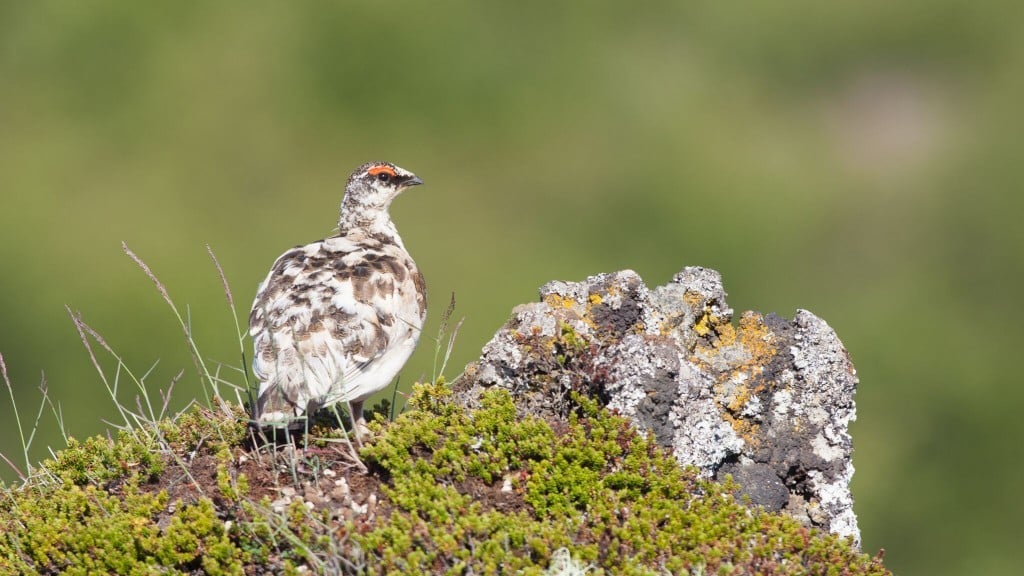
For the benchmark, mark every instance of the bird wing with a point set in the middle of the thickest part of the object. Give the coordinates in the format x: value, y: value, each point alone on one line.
x: 322, y: 316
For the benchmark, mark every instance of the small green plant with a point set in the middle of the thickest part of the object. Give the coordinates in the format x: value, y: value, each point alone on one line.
x: 486, y: 489
x: 86, y: 530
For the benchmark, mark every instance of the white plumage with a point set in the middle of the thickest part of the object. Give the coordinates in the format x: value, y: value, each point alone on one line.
x: 336, y: 320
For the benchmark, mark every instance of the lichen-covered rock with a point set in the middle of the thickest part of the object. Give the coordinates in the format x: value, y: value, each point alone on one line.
x: 767, y: 401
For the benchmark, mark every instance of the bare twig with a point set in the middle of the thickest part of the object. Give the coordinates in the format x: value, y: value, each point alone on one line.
x: 17, y: 471
x: 166, y: 397
x: 58, y: 412
x: 145, y: 268
x: 451, y: 344
x: 223, y: 279
x: 84, y: 333
x: 39, y: 414
x: 234, y: 315
x: 442, y: 328
x: 17, y: 420
x: 196, y: 360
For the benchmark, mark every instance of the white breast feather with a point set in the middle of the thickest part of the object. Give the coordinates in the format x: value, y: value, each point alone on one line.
x: 334, y: 321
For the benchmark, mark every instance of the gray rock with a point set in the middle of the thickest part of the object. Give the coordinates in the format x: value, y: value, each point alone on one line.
x: 766, y: 400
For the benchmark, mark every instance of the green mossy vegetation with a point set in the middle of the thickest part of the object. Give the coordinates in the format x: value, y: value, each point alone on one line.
x: 85, y: 529
x: 480, y: 492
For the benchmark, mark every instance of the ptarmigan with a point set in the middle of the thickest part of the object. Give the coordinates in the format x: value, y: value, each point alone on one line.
x: 335, y: 320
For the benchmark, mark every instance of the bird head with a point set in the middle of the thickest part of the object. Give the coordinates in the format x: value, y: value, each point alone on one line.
x: 376, y: 184
x: 368, y: 195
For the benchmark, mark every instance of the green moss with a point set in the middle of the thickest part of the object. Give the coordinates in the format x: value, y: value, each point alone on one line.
x: 232, y: 487
x: 100, y: 459
x: 600, y: 489
x: 482, y: 492
x: 89, y: 510
x: 85, y: 530
x: 201, y: 428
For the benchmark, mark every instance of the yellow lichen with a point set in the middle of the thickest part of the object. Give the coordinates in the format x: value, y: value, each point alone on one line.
x: 757, y: 339
x: 670, y: 324
x: 710, y: 322
x: 726, y: 334
x: 559, y: 301
x: 703, y: 325
x: 751, y: 347
x: 692, y: 299
x: 748, y: 430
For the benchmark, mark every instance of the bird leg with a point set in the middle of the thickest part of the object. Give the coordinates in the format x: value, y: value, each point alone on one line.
x: 358, y: 421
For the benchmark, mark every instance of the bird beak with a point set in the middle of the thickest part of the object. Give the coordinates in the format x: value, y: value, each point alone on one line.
x: 414, y: 181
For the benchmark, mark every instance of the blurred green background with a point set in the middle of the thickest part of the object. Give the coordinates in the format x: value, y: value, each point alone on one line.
x: 860, y: 160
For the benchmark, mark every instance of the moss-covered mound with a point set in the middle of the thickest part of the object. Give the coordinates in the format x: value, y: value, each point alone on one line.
x: 447, y: 491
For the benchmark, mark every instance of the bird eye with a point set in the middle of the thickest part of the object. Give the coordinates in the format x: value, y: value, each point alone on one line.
x: 384, y: 177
